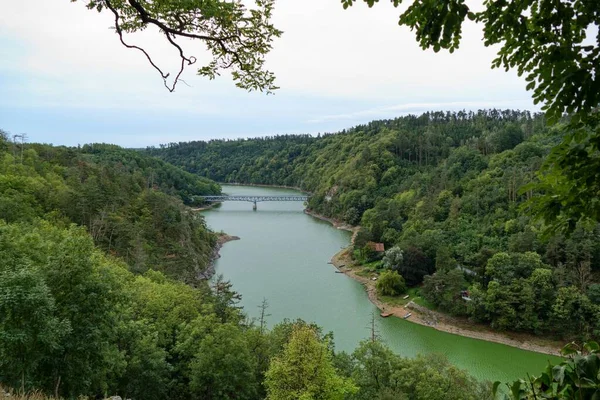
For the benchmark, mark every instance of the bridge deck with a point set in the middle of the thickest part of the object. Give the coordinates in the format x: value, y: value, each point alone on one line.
x: 254, y: 199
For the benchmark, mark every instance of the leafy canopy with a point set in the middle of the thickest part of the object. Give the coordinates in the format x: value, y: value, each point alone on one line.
x: 237, y: 37
x: 575, y: 378
x: 304, y: 371
x: 390, y: 283
x: 545, y: 40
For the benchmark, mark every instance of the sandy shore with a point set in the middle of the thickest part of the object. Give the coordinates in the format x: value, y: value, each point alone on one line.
x: 423, y: 316
x: 206, y: 207
x: 458, y: 326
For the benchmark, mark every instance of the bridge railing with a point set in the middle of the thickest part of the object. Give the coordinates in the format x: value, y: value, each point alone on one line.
x: 254, y: 199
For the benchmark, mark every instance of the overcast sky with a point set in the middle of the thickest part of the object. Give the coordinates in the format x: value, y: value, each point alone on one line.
x: 66, y: 79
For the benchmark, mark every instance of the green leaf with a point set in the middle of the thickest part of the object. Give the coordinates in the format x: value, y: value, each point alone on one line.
x: 569, y: 349
x: 558, y: 374
x: 495, y: 387
x: 591, y: 346
x: 516, y: 389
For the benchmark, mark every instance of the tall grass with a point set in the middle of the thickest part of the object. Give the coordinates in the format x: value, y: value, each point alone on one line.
x: 10, y: 394
x: 6, y: 394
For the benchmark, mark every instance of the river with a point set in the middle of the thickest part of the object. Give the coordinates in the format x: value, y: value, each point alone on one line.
x: 283, y: 257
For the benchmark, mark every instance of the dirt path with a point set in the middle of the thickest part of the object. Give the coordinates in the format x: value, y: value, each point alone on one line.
x: 458, y: 326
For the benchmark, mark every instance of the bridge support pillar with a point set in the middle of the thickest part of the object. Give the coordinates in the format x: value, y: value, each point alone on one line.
x: 254, y: 206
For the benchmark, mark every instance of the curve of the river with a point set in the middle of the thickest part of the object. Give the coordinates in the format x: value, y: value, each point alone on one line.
x: 283, y: 256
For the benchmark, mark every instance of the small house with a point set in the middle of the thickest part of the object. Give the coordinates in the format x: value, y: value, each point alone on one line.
x: 377, y: 247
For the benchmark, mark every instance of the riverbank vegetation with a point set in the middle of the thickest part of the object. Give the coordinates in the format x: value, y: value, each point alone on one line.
x: 449, y: 193
x: 99, y: 295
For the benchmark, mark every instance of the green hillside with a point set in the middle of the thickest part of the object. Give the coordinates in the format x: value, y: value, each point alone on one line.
x: 131, y: 204
x: 447, y: 190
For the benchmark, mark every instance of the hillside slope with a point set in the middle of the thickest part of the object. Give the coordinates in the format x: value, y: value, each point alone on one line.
x: 131, y: 204
x: 445, y: 189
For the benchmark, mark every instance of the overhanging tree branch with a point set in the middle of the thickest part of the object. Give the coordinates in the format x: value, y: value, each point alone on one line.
x: 238, y: 38
x: 163, y: 75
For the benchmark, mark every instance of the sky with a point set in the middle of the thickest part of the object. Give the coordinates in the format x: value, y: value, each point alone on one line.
x: 66, y: 79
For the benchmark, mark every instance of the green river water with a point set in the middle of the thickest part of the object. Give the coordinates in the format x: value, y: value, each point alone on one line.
x: 283, y: 256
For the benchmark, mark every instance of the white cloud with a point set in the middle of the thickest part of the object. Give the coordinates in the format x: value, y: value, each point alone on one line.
x: 325, y: 50
x: 332, y: 65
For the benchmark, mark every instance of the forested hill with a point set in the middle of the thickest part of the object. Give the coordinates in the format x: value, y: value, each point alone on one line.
x: 86, y: 313
x: 444, y: 188
x: 131, y: 204
x: 409, y: 141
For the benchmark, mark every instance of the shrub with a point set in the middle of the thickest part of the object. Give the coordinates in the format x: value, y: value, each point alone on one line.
x: 391, y: 283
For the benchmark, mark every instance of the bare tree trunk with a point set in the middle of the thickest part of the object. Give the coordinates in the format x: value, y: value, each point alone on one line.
x: 56, y: 387
x: 583, y: 274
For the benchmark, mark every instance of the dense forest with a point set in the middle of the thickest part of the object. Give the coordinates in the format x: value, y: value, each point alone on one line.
x: 447, y: 193
x: 133, y: 206
x: 99, y: 295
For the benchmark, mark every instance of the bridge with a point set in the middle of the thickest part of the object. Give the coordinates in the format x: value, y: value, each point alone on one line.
x: 254, y: 199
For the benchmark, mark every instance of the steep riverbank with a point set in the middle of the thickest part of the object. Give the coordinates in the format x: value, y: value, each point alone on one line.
x: 423, y: 316
x: 221, y: 240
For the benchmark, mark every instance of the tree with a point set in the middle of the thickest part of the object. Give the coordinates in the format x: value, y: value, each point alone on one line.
x: 543, y: 39
x: 85, y: 287
x: 362, y: 237
x: 223, y: 367
x: 594, y: 293
x: 226, y: 300
x: 147, y: 374
x: 29, y: 330
x: 508, y: 138
x: 432, y: 377
x: 393, y: 258
x: 544, y: 289
x: 444, y: 260
x: 390, y: 283
x: 305, y: 371
x: 511, y: 306
x: 374, y: 365
x: 415, y: 265
x: 238, y: 38
x: 573, y: 312
x: 505, y: 267
x: 577, y: 377
x: 444, y: 290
